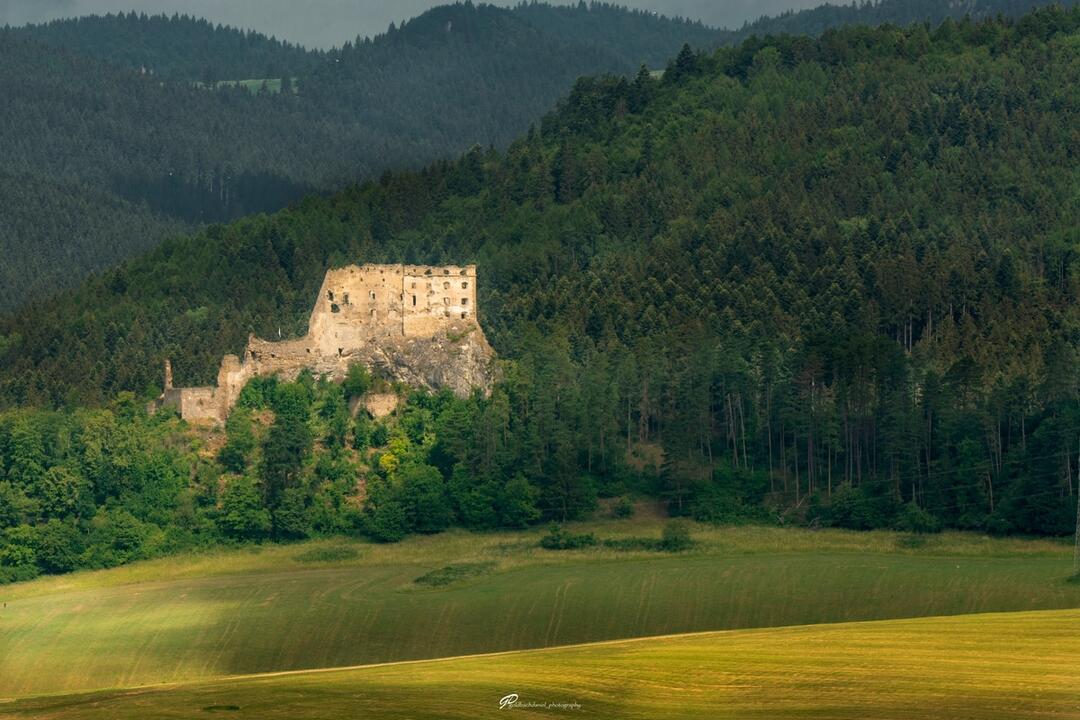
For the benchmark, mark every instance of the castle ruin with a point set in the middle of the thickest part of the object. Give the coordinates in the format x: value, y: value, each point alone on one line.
x: 415, y: 324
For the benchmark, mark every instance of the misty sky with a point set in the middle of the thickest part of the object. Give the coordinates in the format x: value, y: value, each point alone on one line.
x: 324, y: 23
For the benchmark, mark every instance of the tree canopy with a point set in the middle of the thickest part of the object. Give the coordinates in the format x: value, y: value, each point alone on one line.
x: 831, y: 280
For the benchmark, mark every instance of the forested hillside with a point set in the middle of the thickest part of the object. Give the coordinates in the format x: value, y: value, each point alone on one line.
x: 116, y: 108
x: 162, y: 144
x: 73, y: 228
x: 815, y: 21
x: 176, y: 47
x: 828, y: 281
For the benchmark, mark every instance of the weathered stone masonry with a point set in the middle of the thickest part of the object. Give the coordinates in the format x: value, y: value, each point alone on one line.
x: 414, y: 323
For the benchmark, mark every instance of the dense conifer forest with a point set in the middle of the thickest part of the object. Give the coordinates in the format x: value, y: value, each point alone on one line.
x: 144, y: 113
x: 817, y: 20
x: 135, y: 109
x: 825, y: 281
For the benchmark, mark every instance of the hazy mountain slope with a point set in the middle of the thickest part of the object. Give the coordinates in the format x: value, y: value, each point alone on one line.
x: 457, y: 76
x: 816, y: 20
x: 634, y: 36
x: 74, y: 226
x: 175, y: 47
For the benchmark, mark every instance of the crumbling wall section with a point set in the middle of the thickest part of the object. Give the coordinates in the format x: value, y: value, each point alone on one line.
x: 416, y: 324
x: 437, y: 297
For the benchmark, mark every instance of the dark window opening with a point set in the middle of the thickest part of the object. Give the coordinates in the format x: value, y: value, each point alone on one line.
x: 345, y: 298
x: 464, y: 315
x: 464, y: 286
x: 340, y: 351
x: 464, y: 301
x: 414, y: 300
x: 334, y: 307
x: 330, y: 295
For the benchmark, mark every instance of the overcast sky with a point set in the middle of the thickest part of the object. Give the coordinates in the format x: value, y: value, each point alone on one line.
x: 324, y: 23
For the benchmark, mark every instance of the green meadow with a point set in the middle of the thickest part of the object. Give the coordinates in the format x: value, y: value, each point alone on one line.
x: 1006, y: 666
x: 333, y: 604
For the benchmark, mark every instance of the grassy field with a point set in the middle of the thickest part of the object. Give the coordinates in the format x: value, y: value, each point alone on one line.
x: 335, y: 604
x: 978, y: 667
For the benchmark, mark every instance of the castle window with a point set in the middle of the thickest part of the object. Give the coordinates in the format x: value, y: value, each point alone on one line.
x: 340, y: 351
x: 372, y: 294
x: 464, y: 301
x: 446, y: 313
x: 463, y: 271
x: 446, y: 272
x: 446, y: 301
x: 464, y: 315
x: 464, y: 286
x: 428, y: 271
x: 309, y: 351
x: 345, y: 298
x: 446, y: 286
x: 330, y: 295
x: 334, y: 307
x: 414, y: 300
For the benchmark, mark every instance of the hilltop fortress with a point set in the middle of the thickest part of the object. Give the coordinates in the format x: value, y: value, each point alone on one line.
x: 415, y: 324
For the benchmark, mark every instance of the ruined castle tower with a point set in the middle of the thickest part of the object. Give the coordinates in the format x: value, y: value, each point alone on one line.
x: 413, y: 323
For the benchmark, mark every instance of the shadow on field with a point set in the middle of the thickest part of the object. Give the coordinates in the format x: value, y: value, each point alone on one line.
x: 330, y: 617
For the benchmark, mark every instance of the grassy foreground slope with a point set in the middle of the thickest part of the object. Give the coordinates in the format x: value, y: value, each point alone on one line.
x: 243, y: 613
x: 1011, y: 665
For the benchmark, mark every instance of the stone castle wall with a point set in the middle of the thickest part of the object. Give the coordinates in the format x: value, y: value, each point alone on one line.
x: 373, y: 314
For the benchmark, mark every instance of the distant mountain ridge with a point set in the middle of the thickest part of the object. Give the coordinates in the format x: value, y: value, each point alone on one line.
x: 177, y: 47
x: 181, y: 46
x: 815, y: 21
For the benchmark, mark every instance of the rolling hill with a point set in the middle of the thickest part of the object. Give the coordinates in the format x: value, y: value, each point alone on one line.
x: 343, y: 603
x: 897, y: 669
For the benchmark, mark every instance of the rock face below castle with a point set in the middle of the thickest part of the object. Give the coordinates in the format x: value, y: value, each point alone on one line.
x: 415, y: 324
